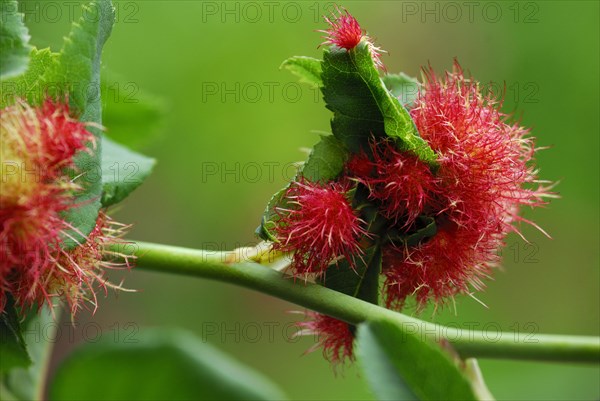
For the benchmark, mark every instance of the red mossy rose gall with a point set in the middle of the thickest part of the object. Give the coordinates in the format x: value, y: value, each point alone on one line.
x: 37, y: 148
x: 485, y: 176
x: 318, y: 225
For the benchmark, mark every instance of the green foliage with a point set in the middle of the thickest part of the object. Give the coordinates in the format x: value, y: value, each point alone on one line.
x: 356, y: 114
x: 270, y: 217
x: 400, y: 365
x: 13, y: 350
x: 307, y: 69
x: 77, y: 70
x: 363, y: 106
x: 161, y: 365
x: 28, y: 383
x: 29, y: 86
x: 326, y: 161
x: 14, y: 40
x: 123, y: 170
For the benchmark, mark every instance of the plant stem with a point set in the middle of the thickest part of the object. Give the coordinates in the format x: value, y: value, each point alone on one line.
x: 468, y: 343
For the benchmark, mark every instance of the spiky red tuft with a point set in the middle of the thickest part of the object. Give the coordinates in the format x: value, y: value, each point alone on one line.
x: 61, y: 135
x: 486, y: 163
x: 318, y: 225
x: 30, y: 235
x: 75, y: 275
x: 344, y: 30
x: 334, y: 336
x: 438, y: 268
x: 483, y: 179
x: 404, y: 184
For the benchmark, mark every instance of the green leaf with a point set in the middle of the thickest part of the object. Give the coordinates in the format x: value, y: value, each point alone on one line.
x: 326, y: 161
x: 363, y: 106
x: 123, y: 170
x: 13, y: 350
x: 161, y: 365
x: 403, y: 87
x: 28, y: 383
x: 400, y: 365
x: 77, y: 70
x: 29, y: 86
x: 6, y: 395
x: 270, y: 217
x: 360, y: 281
x: 308, y: 69
x: 78, y: 66
x: 14, y: 40
x: 131, y: 116
x: 356, y: 113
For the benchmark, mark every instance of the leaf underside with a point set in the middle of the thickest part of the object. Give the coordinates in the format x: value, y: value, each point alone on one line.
x: 400, y: 365
x: 123, y: 170
x: 307, y: 69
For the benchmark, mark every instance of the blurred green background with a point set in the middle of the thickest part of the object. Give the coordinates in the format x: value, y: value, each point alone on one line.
x: 234, y: 121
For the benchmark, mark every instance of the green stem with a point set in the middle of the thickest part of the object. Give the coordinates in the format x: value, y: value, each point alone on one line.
x: 468, y: 343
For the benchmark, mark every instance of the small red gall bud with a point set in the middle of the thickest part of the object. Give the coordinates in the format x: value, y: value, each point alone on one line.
x: 318, y: 226
x: 334, y: 336
x: 344, y: 30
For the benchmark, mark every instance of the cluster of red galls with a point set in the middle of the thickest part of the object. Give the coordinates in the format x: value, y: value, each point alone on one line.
x: 474, y: 195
